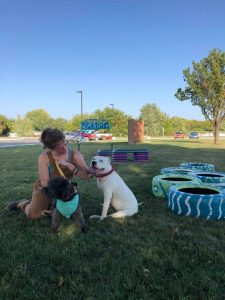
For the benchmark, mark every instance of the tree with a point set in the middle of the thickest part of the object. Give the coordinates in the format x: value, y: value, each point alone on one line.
x: 61, y: 124
x: 74, y: 124
x: 39, y: 118
x: 5, y: 126
x: 194, y: 125
x: 117, y: 119
x: 206, y: 88
x: 153, y: 119
x: 23, y: 126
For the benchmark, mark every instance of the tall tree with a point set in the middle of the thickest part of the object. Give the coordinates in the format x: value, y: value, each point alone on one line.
x: 179, y: 124
x: 39, y: 118
x: 5, y: 125
x: 117, y: 119
x: 206, y: 88
x: 153, y: 119
x: 74, y: 124
x: 61, y: 124
x: 23, y: 126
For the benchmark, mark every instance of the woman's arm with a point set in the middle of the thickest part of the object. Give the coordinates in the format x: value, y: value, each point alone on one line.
x: 84, y: 170
x: 81, y: 169
x: 43, y: 169
x: 80, y: 162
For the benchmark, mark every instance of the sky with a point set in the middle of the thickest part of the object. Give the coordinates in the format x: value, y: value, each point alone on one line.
x: 122, y: 52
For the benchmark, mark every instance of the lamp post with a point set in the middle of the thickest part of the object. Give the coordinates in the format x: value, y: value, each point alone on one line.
x: 112, y: 104
x: 81, y: 104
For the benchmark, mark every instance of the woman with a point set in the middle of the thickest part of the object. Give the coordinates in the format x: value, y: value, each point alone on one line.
x: 56, y: 160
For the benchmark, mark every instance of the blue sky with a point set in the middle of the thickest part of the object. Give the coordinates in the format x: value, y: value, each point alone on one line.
x: 124, y: 52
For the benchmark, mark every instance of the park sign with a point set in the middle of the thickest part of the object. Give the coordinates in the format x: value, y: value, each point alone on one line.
x: 95, y: 124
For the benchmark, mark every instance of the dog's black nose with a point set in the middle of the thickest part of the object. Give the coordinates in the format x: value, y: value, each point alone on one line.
x: 93, y: 163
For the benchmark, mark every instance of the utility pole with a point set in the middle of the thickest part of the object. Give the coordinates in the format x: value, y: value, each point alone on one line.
x: 81, y: 104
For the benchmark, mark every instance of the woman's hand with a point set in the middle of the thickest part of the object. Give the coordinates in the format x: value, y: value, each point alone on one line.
x: 92, y: 171
x: 62, y: 162
x: 67, y: 164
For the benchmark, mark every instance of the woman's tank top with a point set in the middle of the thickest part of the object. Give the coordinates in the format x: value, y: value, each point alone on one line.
x: 53, y: 171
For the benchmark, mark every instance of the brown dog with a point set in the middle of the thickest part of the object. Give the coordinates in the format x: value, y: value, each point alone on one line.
x: 67, y: 202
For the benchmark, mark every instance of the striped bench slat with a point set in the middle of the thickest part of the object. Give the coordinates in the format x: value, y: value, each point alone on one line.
x: 123, y: 155
x: 123, y: 151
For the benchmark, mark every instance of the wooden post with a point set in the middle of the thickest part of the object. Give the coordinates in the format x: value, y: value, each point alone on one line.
x: 135, y: 131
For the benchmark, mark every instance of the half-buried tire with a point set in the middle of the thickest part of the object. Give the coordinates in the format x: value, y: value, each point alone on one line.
x: 162, y: 183
x: 197, y: 200
x: 210, y: 177
x: 177, y: 170
x: 198, y: 166
x: 221, y: 185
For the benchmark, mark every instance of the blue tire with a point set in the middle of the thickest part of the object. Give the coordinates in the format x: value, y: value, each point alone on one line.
x: 220, y: 185
x: 197, y: 201
x: 198, y: 166
x: 177, y: 170
x: 210, y: 177
x: 162, y: 183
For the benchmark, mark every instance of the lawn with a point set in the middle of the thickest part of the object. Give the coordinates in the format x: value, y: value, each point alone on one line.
x: 153, y: 255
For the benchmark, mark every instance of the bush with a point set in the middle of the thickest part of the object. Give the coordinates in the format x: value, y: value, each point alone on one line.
x: 23, y: 127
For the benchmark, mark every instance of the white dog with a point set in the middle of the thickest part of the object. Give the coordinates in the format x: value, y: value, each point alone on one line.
x: 115, y: 191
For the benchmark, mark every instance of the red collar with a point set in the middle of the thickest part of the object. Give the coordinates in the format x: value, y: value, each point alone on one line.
x: 104, y: 174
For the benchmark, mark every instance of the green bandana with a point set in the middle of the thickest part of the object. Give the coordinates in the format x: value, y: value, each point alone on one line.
x: 67, y: 208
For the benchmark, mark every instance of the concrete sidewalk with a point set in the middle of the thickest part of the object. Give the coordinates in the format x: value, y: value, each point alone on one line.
x: 18, y: 141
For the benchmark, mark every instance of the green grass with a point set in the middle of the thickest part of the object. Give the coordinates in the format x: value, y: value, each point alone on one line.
x: 153, y: 255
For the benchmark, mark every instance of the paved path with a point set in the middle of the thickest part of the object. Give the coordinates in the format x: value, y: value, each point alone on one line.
x: 18, y: 141
x: 6, y: 142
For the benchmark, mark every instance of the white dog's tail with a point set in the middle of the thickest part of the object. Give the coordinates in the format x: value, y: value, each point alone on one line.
x: 140, y: 203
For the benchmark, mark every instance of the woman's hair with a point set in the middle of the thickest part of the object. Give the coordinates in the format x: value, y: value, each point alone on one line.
x: 50, y: 137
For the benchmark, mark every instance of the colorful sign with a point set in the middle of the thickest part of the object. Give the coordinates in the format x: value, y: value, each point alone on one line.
x: 94, y: 124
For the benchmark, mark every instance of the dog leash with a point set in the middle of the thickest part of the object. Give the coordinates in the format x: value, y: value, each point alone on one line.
x: 61, y: 172
x: 59, y: 169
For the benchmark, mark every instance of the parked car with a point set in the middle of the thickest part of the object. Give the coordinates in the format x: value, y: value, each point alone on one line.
x: 104, y: 136
x: 194, y: 135
x: 81, y: 139
x: 89, y: 134
x: 179, y: 135
x: 70, y: 136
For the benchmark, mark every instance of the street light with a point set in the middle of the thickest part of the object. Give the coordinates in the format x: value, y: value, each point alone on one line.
x: 81, y: 104
x: 112, y: 105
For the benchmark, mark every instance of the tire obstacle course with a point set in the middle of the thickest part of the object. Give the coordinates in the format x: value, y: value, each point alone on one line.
x: 175, y: 170
x: 197, y: 200
x: 204, y: 197
x: 210, y: 177
x: 162, y: 183
x: 198, y: 166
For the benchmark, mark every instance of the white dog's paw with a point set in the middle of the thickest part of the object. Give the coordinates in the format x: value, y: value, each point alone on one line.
x: 95, y: 217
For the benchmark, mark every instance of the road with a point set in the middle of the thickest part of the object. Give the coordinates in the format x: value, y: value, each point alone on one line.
x: 18, y: 141
x: 6, y: 142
